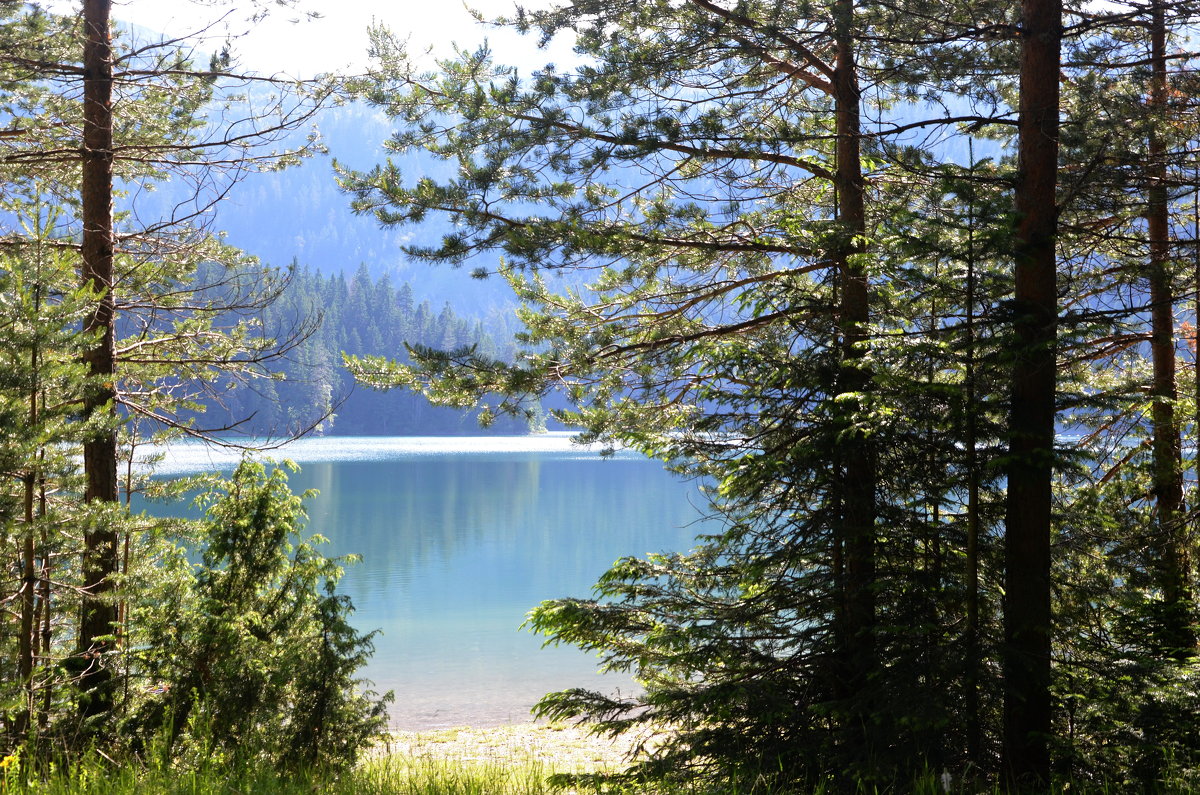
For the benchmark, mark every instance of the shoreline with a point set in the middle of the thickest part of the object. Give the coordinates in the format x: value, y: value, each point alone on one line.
x: 566, y: 748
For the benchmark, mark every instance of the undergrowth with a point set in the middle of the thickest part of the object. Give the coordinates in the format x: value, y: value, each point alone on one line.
x: 403, y: 774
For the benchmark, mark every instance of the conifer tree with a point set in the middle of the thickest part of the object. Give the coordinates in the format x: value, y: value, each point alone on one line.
x: 711, y: 164
x: 146, y: 282
x: 1031, y: 416
x: 866, y: 345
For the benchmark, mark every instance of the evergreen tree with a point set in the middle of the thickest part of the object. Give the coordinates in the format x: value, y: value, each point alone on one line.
x: 43, y: 310
x: 165, y: 310
x: 739, y: 338
x: 254, y: 642
x: 157, y: 132
x: 860, y: 342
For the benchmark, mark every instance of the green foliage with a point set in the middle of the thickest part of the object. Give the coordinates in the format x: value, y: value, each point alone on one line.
x: 253, y: 649
x: 185, y: 306
x: 359, y: 317
x: 843, y: 383
x: 711, y: 334
x: 41, y: 379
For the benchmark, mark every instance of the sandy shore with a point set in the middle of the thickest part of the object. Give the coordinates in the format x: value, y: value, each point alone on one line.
x: 563, y: 748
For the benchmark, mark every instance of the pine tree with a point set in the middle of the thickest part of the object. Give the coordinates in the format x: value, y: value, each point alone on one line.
x: 151, y: 325
x: 1031, y: 415
x: 741, y: 338
x: 860, y: 342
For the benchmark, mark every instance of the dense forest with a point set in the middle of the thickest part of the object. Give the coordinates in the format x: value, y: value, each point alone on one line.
x: 309, y: 390
x: 914, y: 288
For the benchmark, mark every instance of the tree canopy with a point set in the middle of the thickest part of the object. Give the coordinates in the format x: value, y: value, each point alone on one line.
x: 898, y: 294
x: 117, y: 324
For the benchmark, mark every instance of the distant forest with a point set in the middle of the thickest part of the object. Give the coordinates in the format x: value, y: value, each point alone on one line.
x: 360, y: 316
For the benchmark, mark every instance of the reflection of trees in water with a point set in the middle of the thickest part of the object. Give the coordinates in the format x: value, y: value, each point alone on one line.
x: 555, y: 520
x: 406, y: 514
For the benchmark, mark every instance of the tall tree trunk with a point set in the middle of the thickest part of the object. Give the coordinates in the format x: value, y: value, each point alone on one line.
x: 855, y: 453
x: 1195, y: 439
x: 29, y: 580
x: 971, y: 650
x: 1027, y: 612
x: 1176, y: 633
x: 99, y: 452
x: 47, y: 612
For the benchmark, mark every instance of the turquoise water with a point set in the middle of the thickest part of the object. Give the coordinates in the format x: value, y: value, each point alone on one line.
x: 460, y: 537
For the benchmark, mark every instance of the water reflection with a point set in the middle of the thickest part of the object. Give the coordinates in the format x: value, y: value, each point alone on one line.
x: 457, y: 547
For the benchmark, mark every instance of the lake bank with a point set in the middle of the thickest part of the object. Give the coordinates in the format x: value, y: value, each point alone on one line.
x: 459, y: 538
x: 561, y: 747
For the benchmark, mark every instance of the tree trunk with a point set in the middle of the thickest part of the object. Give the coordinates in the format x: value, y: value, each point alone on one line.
x: 99, y: 452
x: 29, y: 581
x: 47, y: 612
x: 25, y: 647
x: 1027, y: 613
x: 971, y: 650
x: 1176, y: 634
x: 1195, y: 438
x: 855, y: 454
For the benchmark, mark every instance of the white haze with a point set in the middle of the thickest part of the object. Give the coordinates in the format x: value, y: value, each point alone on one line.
x: 289, y: 42
x: 191, y: 457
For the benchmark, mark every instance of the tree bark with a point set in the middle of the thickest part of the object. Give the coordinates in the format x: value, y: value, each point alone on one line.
x: 1176, y: 633
x: 47, y: 613
x: 971, y: 652
x: 1027, y: 612
x: 26, y: 647
x: 29, y: 581
x: 855, y: 453
x: 100, y: 451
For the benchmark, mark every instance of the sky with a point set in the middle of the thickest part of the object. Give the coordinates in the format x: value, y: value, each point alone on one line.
x: 289, y: 43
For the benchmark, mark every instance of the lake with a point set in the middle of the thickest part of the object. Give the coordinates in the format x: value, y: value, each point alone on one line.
x: 459, y: 538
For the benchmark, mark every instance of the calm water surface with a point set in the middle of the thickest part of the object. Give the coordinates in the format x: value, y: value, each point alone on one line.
x: 459, y: 538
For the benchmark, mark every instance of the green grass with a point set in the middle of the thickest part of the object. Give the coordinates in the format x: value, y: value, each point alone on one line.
x: 513, y: 773
x: 398, y: 774
x: 401, y: 775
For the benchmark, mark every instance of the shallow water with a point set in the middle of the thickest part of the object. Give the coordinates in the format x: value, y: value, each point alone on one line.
x: 460, y: 537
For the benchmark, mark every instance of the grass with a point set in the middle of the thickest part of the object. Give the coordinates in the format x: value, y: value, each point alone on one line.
x: 507, y: 760
x: 401, y: 775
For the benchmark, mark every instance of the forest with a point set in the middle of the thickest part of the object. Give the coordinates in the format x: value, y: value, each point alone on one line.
x: 310, y: 391
x: 916, y: 288
x: 128, y: 637
x: 913, y: 288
